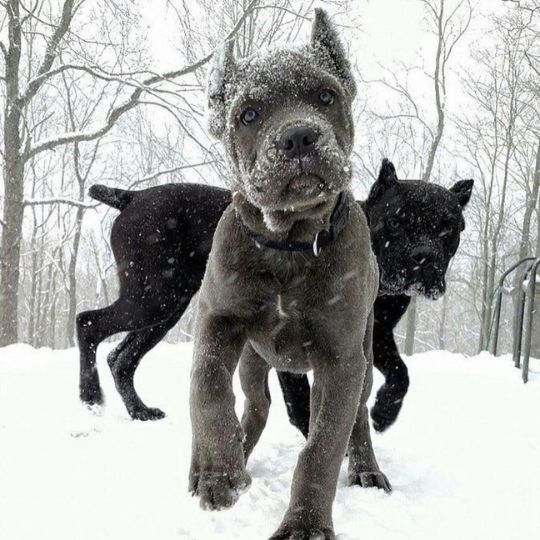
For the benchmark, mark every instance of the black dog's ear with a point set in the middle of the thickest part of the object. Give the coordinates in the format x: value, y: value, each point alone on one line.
x: 462, y: 190
x: 387, y: 178
x: 220, y: 75
x: 329, y: 49
x: 387, y: 174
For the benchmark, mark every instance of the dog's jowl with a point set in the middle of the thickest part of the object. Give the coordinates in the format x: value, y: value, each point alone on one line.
x: 290, y: 281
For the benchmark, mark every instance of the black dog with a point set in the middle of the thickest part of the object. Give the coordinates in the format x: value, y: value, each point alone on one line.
x: 161, y: 241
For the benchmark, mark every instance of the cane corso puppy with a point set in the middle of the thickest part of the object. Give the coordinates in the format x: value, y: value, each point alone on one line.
x: 161, y: 241
x: 290, y: 282
x: 291, y: 278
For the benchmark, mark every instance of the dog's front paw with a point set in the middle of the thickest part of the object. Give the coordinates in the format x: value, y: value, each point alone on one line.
x: 218, y: 490
x: 90, y: 393
x: 386, y: 408
x: 371, y: 479
x: 147, y: 413
x: 303, y: 533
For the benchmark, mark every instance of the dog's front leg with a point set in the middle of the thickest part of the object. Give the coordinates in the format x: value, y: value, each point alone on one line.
x: 363, y: 467
x: 254, y: 381
x: 336, y: 391
x: 388, y: 312
x: 217, y: 472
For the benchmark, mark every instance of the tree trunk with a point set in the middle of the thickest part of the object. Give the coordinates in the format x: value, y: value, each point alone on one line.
x: 411, y: 326
x: 11, y: 250
x: 537, y: 254
x: 73, y: 278
x: 33, y: 289
x: 532, y: 201
x: 45, y: 320
x: 488, y: 302
x: 485, y: 290
x: 442, y: 323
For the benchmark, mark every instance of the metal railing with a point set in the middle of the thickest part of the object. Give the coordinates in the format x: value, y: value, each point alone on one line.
x: 524, y: 310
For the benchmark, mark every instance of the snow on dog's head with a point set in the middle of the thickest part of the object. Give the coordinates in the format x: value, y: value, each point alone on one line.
x: 284, y: 116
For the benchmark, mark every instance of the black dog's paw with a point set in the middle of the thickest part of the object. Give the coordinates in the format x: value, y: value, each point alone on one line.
x: 385, y: 411
x: 303, y: 533
x: 218, y: 490
x: 375, y: 479
x: 91, y: 394
x: 147, y: 413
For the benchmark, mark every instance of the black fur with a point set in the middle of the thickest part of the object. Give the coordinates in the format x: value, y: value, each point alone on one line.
x: 161, y: 241
x: 117, y: 198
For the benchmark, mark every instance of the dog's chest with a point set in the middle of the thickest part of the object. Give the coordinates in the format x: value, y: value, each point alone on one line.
x: 281, y: 332
x: 291, y: 325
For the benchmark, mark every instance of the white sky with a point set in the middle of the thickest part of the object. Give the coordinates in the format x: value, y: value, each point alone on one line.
x: 388, y: 33
x: 391, y: 31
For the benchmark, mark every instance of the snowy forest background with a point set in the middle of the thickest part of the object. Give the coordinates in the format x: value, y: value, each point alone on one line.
x: 112, y: 91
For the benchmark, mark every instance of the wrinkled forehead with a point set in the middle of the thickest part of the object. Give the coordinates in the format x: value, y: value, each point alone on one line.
x: 431, y: 199
x: 281, y: 73
x: 421, y: 201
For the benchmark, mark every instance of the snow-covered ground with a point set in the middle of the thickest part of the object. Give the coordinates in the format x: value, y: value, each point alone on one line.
x: 464, y: 457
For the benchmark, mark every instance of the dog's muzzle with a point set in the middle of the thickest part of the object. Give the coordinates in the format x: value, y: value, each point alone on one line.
x: 428, y: 278
x: 297, y: 141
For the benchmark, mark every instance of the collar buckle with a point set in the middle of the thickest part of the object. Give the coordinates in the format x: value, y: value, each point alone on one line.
x: 316, y: 247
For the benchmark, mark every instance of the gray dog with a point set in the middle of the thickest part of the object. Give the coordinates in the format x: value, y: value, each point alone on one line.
x: 291, y: 279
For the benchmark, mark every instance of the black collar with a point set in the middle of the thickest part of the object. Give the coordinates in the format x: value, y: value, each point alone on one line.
x: 338, y: 220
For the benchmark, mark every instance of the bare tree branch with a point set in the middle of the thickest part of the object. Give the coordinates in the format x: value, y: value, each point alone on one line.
x: 133, y: 100
x: 51, y: 53
x: 57, y: 200
x: 4, y: 50
x: 171, y: 170
x: 529, y: 9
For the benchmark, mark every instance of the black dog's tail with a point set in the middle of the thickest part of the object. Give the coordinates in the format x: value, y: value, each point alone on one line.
x: 117, y: 198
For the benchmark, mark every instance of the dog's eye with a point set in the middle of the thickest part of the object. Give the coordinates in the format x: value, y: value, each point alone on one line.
x: 393, y: 224
x: 249, y: 116
x: 326, y: 97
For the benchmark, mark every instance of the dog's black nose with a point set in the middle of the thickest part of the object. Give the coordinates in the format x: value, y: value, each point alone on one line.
x: 422, y: 256
x: 297, y: 141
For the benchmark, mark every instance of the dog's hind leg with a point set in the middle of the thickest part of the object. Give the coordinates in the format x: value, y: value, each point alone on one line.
x: 95, y: 326
x: 125, y: 359
x: 92, y: 328
x: 254, y: 381
x: 363, y: 467
x: 296, y: 393
x: 391, y: 394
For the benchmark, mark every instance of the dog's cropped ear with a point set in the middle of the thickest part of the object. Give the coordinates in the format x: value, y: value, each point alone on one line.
x: 220, y: 75
x: 462, y: 190
x: 330, y: 51
x: 387, y: 174
x: 386, y: 179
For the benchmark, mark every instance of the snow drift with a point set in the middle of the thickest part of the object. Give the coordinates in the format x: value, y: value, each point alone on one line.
x: 464, y: 457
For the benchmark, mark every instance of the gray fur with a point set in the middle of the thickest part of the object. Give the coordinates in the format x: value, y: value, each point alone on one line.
x: 293, y: 311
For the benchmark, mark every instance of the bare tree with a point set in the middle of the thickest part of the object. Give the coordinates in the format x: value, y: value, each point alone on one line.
x: 501, y: 146
x: 24, y: 80
x: 418, y: 129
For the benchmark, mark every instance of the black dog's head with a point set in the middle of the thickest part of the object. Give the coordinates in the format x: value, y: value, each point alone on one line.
x: 415, y: 230
x: 285, y: 119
